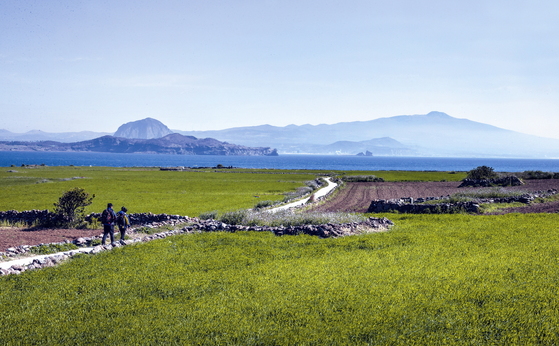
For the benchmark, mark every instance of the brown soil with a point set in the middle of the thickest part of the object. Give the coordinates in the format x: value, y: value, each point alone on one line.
x: 12, y: 236
x: 356, y: 197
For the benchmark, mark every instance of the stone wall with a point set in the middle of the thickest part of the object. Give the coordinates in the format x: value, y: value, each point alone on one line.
x: 402, y: 206
x: 46, y: 217
x: 504, y: 181
x: 28, y: 217
x: 416, y: 206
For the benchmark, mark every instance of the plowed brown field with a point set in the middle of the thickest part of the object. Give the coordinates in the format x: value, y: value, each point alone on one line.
x: 356, y: 197
x: 11, y: 236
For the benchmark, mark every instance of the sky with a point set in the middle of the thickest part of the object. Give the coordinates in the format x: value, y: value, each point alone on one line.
x: 76, y: 65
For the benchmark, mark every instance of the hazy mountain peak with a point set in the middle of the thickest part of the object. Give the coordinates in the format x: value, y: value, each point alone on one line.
x: 438, y: 114
x: 147, y: 128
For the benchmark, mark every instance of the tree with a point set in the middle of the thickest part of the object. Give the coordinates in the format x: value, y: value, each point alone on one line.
x: 482, y: 173
x: 70, y: 209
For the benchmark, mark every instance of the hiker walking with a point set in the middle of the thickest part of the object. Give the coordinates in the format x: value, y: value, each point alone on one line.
x: 123, y: 222
x: 108, y: 218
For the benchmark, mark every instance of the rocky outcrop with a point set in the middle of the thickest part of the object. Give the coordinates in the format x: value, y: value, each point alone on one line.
x: 147, y: 128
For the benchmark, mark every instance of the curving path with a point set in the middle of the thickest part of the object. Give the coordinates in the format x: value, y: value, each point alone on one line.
x: 318, y: 194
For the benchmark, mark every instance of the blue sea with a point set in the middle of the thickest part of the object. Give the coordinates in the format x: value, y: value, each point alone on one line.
x: 311, y: 162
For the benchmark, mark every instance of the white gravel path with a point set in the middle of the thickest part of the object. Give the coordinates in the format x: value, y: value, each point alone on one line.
x: 320, y: 193
x: 27, y: 260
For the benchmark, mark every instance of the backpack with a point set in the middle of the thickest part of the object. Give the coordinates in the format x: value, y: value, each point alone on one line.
x: 107, y: 217
x: 121, y: 219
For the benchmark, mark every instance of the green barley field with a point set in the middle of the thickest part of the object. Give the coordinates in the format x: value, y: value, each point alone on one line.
x: 430, y: 280
x: 146, y: 189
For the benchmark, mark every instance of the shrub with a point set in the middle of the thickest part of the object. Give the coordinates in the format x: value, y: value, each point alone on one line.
x: 362, y: 178
x: 147, y: 230
x: 70, y: 209
x: 287, y: 218
x: 482, y: 173
x: 536, y: 175
x: 237, y: 217
x: 264, y: 204
x: 208, y: 215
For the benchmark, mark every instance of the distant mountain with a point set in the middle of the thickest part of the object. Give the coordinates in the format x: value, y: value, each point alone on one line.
x: 171, y: 144
x: 385, y: 146
x: 147, y: 128
x: 36, y: 135
x: 433, y: 134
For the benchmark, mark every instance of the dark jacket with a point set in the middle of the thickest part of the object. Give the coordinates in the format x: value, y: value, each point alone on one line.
x: 104, y: 218
x: 125, y: 218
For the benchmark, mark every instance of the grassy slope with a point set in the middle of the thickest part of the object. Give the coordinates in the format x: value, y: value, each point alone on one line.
x: 443, y: 279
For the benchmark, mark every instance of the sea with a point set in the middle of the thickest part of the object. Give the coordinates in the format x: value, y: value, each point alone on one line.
x: 295, y: 161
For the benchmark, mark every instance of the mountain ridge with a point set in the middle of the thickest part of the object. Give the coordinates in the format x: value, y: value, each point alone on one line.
x: 174, y: 143
x: 432, y: 134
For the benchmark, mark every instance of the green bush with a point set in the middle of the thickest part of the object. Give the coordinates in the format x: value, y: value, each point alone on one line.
x: 537, y: 175
x: 264, y: 204
x: 209, y: 215
x: 362, y: 178
x: 482, y: 173
x: 237, y: 217
x: 70, y: 208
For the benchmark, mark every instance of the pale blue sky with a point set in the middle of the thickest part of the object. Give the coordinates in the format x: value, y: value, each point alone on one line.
x: 209, y: 65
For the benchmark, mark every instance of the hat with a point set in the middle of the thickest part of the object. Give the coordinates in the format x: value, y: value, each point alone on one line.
x: 124, y: 209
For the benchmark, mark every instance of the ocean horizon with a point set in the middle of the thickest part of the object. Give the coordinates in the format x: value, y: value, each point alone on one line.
x: 285, y: 161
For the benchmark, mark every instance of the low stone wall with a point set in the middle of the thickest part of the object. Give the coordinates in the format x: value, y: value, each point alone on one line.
x: 415, y: 206
x: 28, y: 217
x: 504, y: 181
x: 195, y: 225
x: 46, y: 217
x: 401, y: 206
x: 145, y: 218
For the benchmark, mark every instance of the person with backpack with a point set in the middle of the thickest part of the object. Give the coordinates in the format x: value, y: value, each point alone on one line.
x: 123, y: 222
x: 108, y: 218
